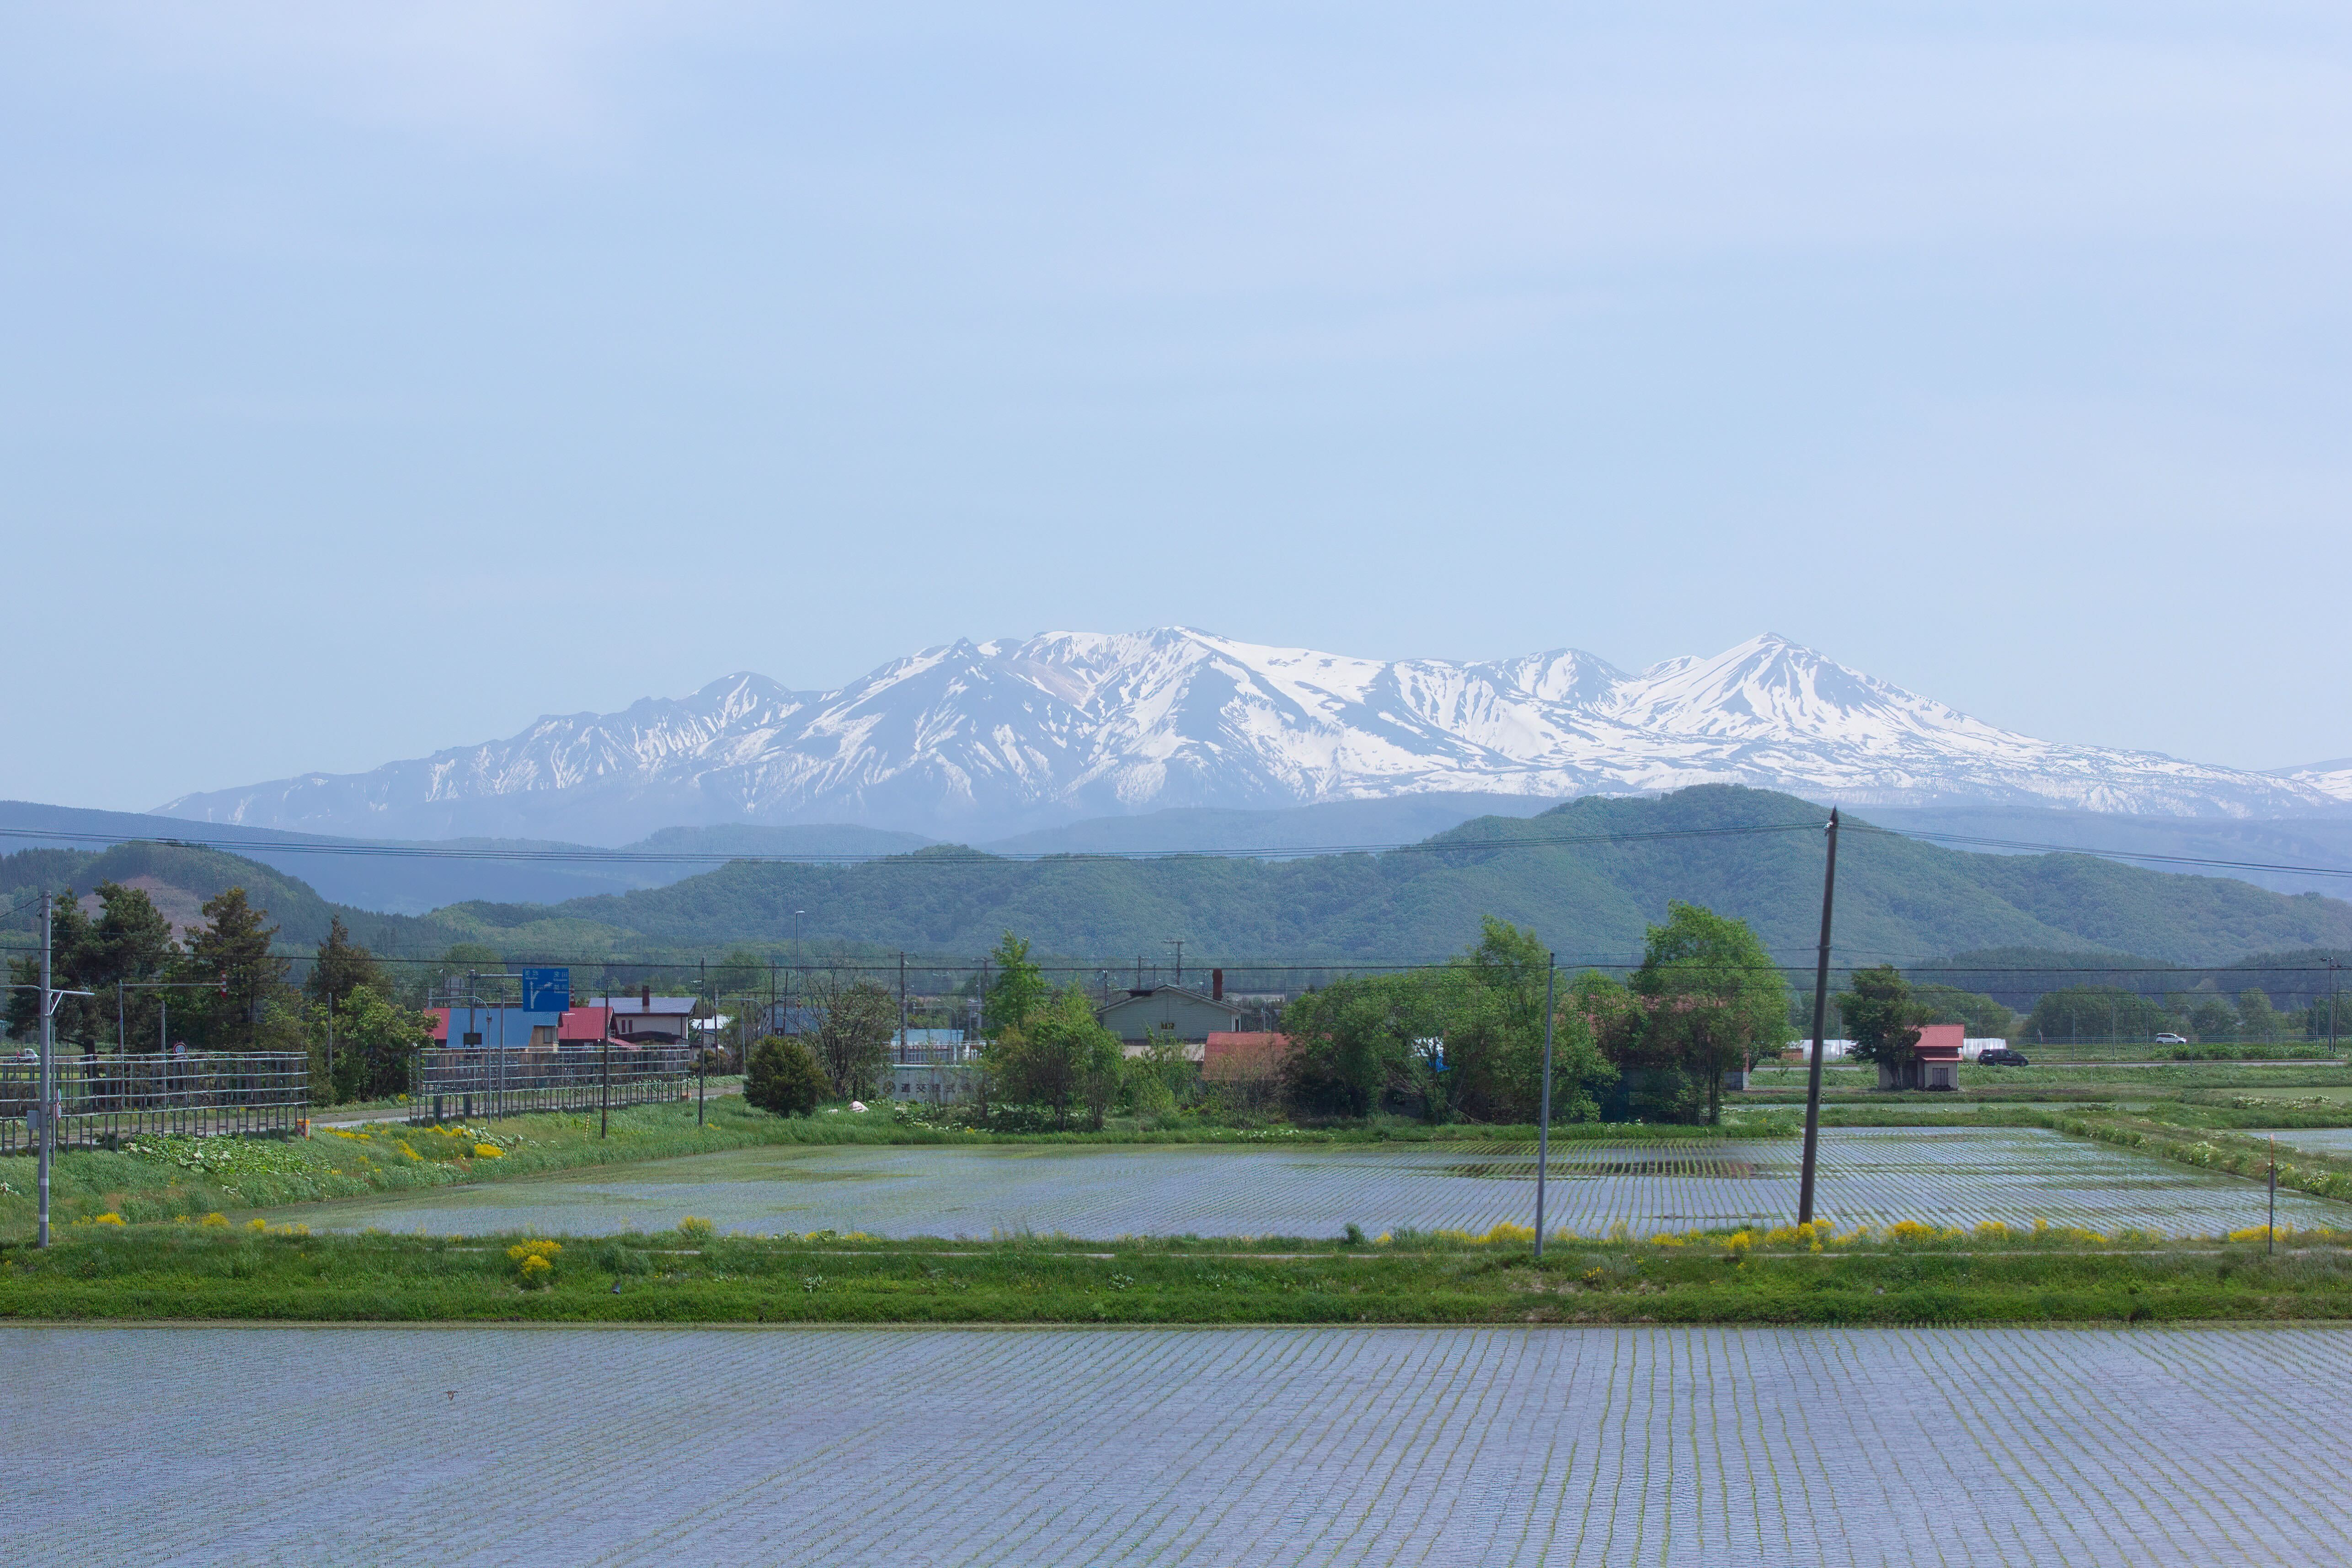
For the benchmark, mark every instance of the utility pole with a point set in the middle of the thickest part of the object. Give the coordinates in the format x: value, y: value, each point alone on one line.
x: 1543, y: 1127
x: 1821, y: 1022
x: 1178, y: 943
x: 2331, y: 967
x: 47, y: 1081
x: 702, y: 1056
x: 2270, y: 1230
x: 902, y: 1004
x: 331, y: 1044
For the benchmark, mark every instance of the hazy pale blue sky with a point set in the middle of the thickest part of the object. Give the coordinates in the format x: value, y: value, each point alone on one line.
x: 376, y: 378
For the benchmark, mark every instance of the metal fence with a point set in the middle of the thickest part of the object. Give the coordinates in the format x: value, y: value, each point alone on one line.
x: 104, y: 1099
x: 467, y: 1083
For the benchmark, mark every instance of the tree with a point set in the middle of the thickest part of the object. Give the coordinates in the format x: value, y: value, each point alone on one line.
x: 1018, y: 990
x: 784, y: 1077
x: 233, y: 949
x: 68, y: 930
x: 855, y: 1025
x: 2213, y: 1019
x: 128, y: 943
x: 1491, y: 1018
x: 1355, y: 1043
x: 464, y: 958
x: 2099, y: 1012
x: 1462, y: 1039
x: 2257, y: 1018
x: 376, y: 1040
x: 1060, y: 1057
x: 1883, y: 1021
x: 1705, y: 999
x: 342, y: 966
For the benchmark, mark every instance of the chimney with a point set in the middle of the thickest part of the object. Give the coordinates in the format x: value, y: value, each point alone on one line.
x: 645, y: 998
x: 1217, y: 985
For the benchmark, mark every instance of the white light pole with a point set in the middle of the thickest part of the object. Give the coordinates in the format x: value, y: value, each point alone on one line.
x: 44, y: 1128
x: 1543, y: 1127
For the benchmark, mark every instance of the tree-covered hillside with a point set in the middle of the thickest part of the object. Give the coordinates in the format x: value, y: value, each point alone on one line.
x: 1588, y: 878
x: 1590, y: 897
x: 178, y: 879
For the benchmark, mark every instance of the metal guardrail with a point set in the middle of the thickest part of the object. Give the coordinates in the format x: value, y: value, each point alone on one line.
x: 104, y: 1099
x: 485, y: 1082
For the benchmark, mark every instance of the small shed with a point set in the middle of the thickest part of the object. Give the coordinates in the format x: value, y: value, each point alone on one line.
x: 1935, y: 1061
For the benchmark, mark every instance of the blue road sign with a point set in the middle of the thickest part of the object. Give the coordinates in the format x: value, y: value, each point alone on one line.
x: 546, y: 990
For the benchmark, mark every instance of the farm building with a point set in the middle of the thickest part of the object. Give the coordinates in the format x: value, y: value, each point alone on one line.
x: 1935, y: 1061
x: 1168, y: 1014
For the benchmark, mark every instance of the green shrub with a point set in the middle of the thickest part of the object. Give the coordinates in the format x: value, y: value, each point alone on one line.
x: 784, y: 1077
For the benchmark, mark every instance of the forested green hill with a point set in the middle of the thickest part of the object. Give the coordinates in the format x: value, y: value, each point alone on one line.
x: 1897, y: 898
x: 1581, y: 875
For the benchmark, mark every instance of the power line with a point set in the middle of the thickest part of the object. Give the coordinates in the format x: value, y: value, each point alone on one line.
x: 954, y: 855
x: 934, y: 856
x: 2031, y: 846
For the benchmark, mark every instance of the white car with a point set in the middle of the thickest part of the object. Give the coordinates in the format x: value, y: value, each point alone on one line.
x: 2172, y: 1039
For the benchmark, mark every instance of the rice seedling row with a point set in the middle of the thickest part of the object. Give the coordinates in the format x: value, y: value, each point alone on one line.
x: 1667, y: 1446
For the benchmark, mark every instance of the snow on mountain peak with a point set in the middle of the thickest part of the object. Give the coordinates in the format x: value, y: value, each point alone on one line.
x: 968, y: 738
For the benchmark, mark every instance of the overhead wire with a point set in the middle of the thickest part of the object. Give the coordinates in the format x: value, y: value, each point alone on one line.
x: 929, y: 856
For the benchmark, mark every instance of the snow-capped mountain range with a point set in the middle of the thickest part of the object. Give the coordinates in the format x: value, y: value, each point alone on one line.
x: 977, y: 739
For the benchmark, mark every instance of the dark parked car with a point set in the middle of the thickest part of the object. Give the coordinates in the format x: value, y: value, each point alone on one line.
x: 2004, y: 1057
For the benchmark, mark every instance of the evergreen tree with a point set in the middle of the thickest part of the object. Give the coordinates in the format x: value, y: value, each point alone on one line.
x: 129, y: 943
x: 783, y: 1077
x: 233, y: 952
x: 74, y: 1017
x: 342, y: 966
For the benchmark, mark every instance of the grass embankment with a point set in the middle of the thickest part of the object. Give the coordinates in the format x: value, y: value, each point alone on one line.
x: 162, y: 1178
x: 2208, y: 1146
x: 1906, y: 1275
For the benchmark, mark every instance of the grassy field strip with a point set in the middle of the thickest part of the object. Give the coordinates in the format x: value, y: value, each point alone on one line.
x: 1936, y: 1176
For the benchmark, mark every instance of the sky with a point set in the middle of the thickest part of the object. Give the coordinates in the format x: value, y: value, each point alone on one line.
x: 373, y: 379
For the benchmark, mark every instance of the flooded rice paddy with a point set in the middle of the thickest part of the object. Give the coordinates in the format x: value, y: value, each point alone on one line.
x: 1656, y: 1445
x: 1952, y: 1176
x: 2319, y: 1140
